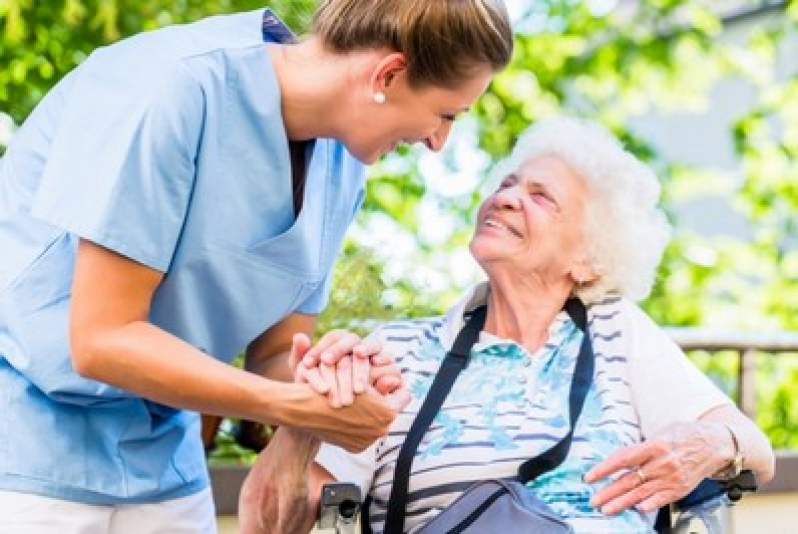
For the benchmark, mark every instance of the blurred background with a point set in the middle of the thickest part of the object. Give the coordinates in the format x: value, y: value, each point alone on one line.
x: 705, y: 91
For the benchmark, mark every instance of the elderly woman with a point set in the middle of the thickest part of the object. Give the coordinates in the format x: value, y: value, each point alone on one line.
x: 574, y: 215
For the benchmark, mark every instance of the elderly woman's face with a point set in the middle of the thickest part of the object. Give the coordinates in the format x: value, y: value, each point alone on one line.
x: 533, y: 223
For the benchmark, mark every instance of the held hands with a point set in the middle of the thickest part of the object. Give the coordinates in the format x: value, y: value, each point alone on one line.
x: 662, y: 469
x: 341, y: 365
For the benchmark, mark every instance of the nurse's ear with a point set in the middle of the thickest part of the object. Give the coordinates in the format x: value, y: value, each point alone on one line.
x: 387, y: 72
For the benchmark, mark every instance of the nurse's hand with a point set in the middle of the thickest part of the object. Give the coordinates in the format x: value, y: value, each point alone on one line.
x: 352, y: 427
x: 341, y: 365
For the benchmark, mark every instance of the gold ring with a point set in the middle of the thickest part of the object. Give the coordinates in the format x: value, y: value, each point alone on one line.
x: 641, y: 475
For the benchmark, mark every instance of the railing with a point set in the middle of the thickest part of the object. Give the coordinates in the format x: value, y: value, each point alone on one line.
x: 748, y: 347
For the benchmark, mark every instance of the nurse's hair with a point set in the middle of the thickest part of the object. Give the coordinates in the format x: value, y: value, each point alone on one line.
x: 444, y: 41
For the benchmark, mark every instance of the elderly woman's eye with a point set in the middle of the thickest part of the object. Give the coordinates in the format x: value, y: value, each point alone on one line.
x: 543, y: 198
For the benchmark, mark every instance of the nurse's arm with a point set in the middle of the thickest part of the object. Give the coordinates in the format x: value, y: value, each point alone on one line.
x: 268, y: 354
x: 112, y: 341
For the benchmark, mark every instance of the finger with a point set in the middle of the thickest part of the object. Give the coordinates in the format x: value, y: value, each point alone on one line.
x: 361, y: 369
x: 299, y: 346
x: 398, y: 399
x: 382, y: 358
x: 625, y: 492
x: 329, y: 375
x: 313, y: 356
x: 342, y: 346
x: 314, y: 378
x: 656, y: 501
x: 618, y: 462
x: 387, y: 384
x: 343, y: 372
x: 367, y: 348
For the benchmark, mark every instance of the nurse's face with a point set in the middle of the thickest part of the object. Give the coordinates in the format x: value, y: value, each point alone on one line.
x: 409, y: 116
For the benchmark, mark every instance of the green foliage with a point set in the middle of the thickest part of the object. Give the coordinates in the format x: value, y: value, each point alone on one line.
x: 43, y: 40
x: 655, y: 56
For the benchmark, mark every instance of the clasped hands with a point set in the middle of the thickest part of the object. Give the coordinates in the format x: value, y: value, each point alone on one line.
x: 362, y: 385
x: 341, y: 365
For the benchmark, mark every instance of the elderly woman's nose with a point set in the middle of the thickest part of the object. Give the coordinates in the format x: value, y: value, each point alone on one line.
x: 508, y: 197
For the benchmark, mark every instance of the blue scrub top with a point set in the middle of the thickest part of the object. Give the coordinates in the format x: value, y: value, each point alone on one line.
x: 169, y: 148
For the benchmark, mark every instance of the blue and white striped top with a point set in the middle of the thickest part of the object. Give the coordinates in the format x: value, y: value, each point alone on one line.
x: 509, y: 405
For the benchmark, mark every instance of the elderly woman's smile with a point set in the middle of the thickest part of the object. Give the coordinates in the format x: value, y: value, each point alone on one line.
x: 493, y: 223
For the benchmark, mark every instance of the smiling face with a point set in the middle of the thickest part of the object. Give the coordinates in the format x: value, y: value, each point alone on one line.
x: 424, y: 115
x: 532, y: 225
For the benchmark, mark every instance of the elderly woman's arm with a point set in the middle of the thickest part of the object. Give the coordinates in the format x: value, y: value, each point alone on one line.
x: 281, y: 493
x: 671, y: 463
x: 741, y: 434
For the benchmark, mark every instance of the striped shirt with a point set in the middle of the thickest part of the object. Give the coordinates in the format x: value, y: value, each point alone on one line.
x: 508, y: 406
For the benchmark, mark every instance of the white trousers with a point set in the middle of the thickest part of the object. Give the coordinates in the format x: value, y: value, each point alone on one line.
x: 23, y: 513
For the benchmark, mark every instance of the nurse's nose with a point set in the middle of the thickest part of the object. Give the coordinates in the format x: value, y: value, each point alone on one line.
x: 437, y: 140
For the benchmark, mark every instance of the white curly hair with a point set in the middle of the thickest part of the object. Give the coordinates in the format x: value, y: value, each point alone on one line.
x: 625, y: 230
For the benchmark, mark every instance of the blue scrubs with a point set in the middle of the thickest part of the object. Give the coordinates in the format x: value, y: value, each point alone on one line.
x: 169, y: 148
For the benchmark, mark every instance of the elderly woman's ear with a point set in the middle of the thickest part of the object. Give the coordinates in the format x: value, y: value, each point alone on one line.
x: 584, y: 272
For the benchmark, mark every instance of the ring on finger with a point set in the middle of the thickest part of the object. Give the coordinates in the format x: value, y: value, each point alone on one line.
x: 641, y: 475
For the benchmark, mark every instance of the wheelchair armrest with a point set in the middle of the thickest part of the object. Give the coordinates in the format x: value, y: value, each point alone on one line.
x: 735, y: 487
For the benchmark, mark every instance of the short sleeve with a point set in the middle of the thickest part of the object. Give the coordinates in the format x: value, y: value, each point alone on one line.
x: 121, y: 166
x: 317, y: 300
x: 667, y: 387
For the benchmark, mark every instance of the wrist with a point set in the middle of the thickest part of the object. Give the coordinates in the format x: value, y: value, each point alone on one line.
x: 299, y: 446
x: 736, y: 461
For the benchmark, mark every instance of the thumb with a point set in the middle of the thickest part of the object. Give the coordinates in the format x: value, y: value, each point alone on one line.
x: 299, y: 347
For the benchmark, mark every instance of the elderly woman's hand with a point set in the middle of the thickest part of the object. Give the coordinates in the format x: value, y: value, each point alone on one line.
x: 342, y: 365
x: 662, y: 469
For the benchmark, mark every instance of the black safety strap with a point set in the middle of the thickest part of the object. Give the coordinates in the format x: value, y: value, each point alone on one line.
x: 454, y: 362
x: 580, y: 384
x: 274, y: 30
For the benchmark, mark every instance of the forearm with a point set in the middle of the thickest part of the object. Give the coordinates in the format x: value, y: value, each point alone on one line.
x: 757, y: 451
x: 146, y: 360
x: 268, y: 354
x: 275, y: 497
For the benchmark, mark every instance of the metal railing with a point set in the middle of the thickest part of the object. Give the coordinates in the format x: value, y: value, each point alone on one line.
x: 746, y: 345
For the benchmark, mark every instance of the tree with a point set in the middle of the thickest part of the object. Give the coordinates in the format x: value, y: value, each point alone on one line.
x: 611, y: 61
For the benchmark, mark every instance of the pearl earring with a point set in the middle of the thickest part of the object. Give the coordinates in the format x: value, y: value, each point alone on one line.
x: 379, y: 97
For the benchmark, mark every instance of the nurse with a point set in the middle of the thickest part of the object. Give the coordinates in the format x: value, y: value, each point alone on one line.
x: 177, y: 198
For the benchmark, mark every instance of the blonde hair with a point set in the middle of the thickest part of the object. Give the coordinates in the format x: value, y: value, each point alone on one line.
x: 443, y: 41
x: 625, y: 230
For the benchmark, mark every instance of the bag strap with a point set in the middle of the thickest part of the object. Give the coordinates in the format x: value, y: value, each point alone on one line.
x: 274, y: 30
x: 455, y: 361
x: 580, y: 385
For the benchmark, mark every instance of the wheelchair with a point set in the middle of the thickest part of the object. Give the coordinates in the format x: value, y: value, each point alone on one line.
x: 705, y: 510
